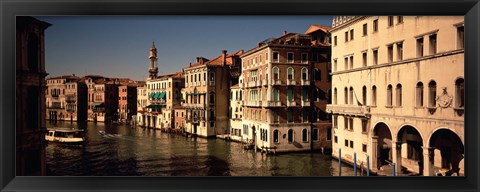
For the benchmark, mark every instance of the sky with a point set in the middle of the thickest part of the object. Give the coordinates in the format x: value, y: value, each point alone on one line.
x: 118, y: 46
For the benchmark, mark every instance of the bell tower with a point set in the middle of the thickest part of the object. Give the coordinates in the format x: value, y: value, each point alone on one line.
x: 153, y: 68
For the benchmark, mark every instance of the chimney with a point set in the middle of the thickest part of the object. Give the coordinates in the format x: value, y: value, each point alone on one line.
x: 190, y: 64
x: 284, y: 32
x: 73, y: 74
x: 224, y: 57
x: 198, y: 59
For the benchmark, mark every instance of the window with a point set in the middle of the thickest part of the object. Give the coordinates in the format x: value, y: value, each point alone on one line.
x: 390, y: 21
x: 275, y: 73
x: 346, y: 143
x: 275, y: 94
x: 399, y: 95
x: 433, y: 44
x: 314, y: 134
x: 346, y: 36
x: 346, y: 63
x: 351, y: 34
x: 346, y: 95
x: 335, y: 41
x: 318, y: 75
x: 33, y: 52
x: 275, y: 116
x: 390, y: 53
x: 364, y: 29
x: 290, y: 135
x: 432, y: 93
x: 364, y: 148
x: 290, y: 73
x: 364, y: 95
x: 350, y: 124
x: 290, y: 57
x: 335, y: 121
x: 460, y: 37
x: 335, y: 96
x: 350, y: 94
x: 460, y: 93
x: 335, y: 139
x: 399, y: 51
x: 212, y: 76
x: 419, y: 94
x: 420, y: 47
x: 364, y: 125
x: 375, y: 25
x: 399, y: 19
x: 275, y: 57
x: 351, y: 62
x: 275, y: 136
x: 364, y: 59
x: 334, y: 65
x: 289, y: 116
x: 304, y: 74
x: 304, y: 58
x: 351, y: 144
x: 389, y: 96
x: 290, y: 94
x: 304, y: 94
x: 345, y: 123
x: 304, y: 135
x: 305, y: 115
x: 375, y: 56
x: 212, y: 98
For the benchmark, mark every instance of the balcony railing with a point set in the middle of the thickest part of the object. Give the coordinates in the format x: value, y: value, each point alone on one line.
x: 291, y: 82
x: 291, y: 103
x: 252, y: 103
x: 305, y: 82
x: 272, y: 104
x: 252, y: 83
x: 277, y: 82
x: 349, y: 109
x: 305, y: 103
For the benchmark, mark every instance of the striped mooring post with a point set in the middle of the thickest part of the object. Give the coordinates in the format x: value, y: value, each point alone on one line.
x: 354, y: 164
x: 339, y: 162
x: 368, y: 165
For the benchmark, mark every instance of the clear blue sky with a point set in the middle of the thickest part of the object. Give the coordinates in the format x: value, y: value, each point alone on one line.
x: 118, y: 46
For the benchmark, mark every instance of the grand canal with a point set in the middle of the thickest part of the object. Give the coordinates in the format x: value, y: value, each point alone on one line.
x: 127, y: 151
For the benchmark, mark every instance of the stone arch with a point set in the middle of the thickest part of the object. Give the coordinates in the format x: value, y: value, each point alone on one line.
x: 412, y: 139
x: 381, y: 145
x: 449, y: 150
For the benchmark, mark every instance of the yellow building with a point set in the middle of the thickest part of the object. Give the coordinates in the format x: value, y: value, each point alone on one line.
x: 398, y: 92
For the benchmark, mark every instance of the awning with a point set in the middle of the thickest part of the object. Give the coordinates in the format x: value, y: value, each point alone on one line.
x: 152, y: 106
x: 151, y: 95
x: 161, y: 95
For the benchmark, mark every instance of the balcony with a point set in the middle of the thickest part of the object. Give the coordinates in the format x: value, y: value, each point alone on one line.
x: 159, y: 102
x: 291, y: 82
x: 291, y: 103
x: 305, y: 103
x: 277, y: 82
x: 349, y: 109
x: 252, y: 84
x: 272, y: 104
x: 252, y: 103
x: 198, y: 105
x: 305, y: 82
x: 265, y: 82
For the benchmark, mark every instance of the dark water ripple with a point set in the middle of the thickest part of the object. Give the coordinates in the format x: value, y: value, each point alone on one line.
x: 130, y: 151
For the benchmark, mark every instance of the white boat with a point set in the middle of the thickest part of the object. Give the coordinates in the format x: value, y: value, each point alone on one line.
x: 65, y: 135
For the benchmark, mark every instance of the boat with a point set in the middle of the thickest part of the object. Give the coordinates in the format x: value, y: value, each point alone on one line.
x: 65, y: 135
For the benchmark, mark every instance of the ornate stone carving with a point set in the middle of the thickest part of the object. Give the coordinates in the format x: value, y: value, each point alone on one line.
x: 444, y: 100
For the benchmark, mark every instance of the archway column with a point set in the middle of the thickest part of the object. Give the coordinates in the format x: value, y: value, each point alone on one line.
x: 374, y: 154
x: 397, y: 156
x: 428, y: 153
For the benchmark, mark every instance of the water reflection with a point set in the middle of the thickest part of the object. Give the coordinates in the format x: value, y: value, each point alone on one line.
x: 127, y: 151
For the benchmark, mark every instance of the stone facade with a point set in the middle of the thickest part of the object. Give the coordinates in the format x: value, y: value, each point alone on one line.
x: 398, y: 92
x: 66, y: 97
x: 30, y: 96
x: 236, y: 114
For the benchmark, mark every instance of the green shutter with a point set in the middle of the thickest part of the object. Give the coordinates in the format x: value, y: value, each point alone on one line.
x: 290, y: 94
x: 275, y: 95
x: 304, y: 94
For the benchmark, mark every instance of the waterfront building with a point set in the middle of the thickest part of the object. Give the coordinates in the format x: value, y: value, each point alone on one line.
x: 398, y: 92
x: 63, y: 95
x: 142, y: 102
x: 179, y: 119
x: 105, y: 100
x: 278, y: 84
x: 127, y: 101
x: 236, y: 114
x: 30, y: 96
x: 207, y: 88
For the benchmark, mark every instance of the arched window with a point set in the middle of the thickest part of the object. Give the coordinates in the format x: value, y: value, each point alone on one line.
x: 346, y: 95
x: 33, y: 52
x: 275, y: 136
x: 399, y: 95
x: 304, y: 74
x: 290, y: 73
x: 335, y: 96
x: 460, y: 93
x: 304, y: 135
x: 432, y: 94
x: 276, y: 72
x: 389, y: 95
x: 364, y: 95
x: 290, y: 135
x: 351, y: 96
x: 419, y: 94
x: 329, y: 96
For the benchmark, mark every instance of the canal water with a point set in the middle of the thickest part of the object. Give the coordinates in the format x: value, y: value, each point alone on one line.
x: 127, y: 151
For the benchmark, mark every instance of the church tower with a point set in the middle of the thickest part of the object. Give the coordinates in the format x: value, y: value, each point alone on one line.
x: 153, y: 69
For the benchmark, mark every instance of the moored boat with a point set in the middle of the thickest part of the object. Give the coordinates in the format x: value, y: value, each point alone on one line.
x: 65, y: 135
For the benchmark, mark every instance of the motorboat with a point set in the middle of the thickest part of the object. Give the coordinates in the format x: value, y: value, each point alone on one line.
x: 65, y: 135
